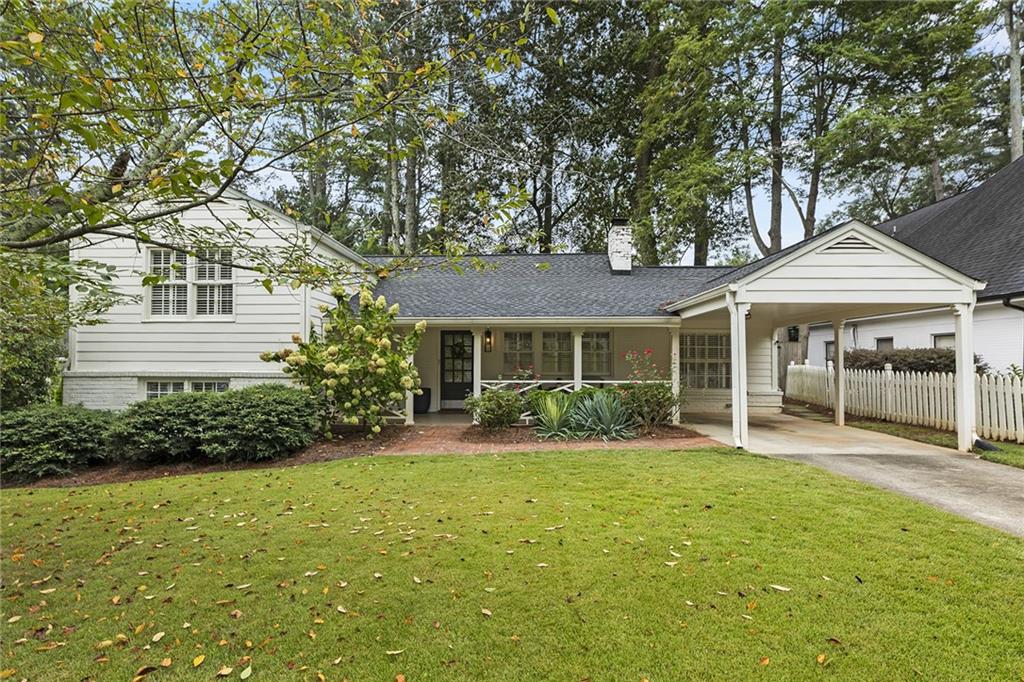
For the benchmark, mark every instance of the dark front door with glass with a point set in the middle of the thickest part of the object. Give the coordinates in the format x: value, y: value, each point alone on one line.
x: 456, y: 368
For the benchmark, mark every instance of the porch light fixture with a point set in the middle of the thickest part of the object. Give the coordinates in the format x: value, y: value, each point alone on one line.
x: 488, y: 340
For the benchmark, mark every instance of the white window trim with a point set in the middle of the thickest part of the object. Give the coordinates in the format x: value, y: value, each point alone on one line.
x: 885, y: 338
x: 943, y: 335
x: 188, y: 384
x: 611, y: 354
x: 191, y: 283
x: 533, y: 351
x: 540, y: 368
x: 683, y: 360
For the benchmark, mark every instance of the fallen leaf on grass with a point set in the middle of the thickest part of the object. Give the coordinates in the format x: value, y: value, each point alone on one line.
x: 14, y: 619
x: 246, y: 673
x: 671, y: 563
x: 765, y: 660
x: 820, y: 659
x: 166, y: 663
x: 143, y: 671
x: 224, y: 671
x: 395, y: 652
x: 780, y: 588
x: 486, y: 612
x: 198, y: 660
x: 158, y: 636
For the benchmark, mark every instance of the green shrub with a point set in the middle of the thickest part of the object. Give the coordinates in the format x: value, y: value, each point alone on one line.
x: 260, y: 422
x: 498, y: 408
x: 908, y: 360
x: 44, y: 440
x: 603, y: 415
x: 553, y: 410
x: 167, y: 429
x: 650, y: 404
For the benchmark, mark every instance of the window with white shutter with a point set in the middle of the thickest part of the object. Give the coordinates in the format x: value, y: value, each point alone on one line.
x: 192, y: 287
x: 215, y: 288
x: 170, y: 297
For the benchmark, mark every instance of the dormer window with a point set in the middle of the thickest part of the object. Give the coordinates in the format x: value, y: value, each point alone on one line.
x: 200, y: 286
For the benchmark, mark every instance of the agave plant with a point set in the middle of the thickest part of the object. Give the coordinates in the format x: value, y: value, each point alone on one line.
x: 602, y: 415
x: 553, y: 411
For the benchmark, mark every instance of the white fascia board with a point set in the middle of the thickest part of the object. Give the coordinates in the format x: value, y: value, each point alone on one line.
x: 909, y: 313
x: 662, y: 321
x: 708, y: 295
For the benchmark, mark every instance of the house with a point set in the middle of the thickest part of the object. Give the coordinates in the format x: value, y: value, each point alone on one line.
x: 570, y: 316
x: 980, y: 232
x: 205, y: 326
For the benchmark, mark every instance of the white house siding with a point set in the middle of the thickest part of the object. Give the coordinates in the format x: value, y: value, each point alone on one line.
x: 998, y: 333
x: 129, y: 347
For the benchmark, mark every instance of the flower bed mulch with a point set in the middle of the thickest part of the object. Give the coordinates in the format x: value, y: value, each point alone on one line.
x: 393, y: 440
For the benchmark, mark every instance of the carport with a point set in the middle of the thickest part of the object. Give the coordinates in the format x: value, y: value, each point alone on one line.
x: 849, y: 271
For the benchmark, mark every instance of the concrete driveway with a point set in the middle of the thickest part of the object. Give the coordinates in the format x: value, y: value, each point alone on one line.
x: 992, y: 494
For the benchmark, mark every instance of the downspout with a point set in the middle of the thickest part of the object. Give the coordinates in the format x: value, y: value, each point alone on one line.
x: 1008, y: 302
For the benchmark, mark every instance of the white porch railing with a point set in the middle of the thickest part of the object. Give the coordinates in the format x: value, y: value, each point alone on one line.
x: 921, y: 398
x: 526, y: 385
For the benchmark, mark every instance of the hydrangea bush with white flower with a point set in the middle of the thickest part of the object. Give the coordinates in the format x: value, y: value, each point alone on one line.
x: 359, y: 365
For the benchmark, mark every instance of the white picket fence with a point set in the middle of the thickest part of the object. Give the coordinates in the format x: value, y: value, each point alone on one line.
x: 924, y: 399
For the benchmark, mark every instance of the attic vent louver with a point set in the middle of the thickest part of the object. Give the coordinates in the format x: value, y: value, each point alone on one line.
x: 852, y: 244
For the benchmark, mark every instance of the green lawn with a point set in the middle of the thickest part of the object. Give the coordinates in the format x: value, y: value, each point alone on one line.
x: 558, y: 565
x: 1008, y: 453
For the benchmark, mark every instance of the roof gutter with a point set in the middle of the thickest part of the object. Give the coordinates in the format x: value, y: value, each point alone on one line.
x: 1008, y: 302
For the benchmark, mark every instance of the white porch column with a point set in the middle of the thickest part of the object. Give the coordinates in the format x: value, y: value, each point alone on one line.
x: 738, y: 348
x: 965, y: 436
x: 674, y: 362
x: 838, y: 340
x: 577, y: 359
x: 409, y: 411
x: 478, y: 347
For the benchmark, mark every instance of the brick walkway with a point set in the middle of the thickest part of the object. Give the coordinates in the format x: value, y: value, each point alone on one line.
x: 460, y: 439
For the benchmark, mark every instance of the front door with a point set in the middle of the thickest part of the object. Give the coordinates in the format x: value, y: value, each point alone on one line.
x: 456, y: 368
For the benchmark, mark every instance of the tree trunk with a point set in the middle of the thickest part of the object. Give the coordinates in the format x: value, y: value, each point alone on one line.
x: 810, y: 220
x: 702, y: 239
x: 1013, y: 32
x: 393, y: 228
x: 938, y: 184
x: 547, y: 194
x: 775, y: 134
x: 643, y: 231
x: 411, y: 204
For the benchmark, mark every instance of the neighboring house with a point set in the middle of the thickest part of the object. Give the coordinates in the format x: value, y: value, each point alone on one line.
x: 980, y: 232
x: 205, y: 326
x: 570, y: 316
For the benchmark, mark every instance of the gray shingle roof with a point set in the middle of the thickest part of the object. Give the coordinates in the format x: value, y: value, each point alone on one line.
x: 539, y: 285
x: 979, y: 232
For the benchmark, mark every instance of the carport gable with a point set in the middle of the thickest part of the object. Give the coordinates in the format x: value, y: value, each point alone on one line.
x: 855, y: 264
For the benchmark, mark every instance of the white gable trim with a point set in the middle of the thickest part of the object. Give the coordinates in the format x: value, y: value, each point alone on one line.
x: 854, y: 237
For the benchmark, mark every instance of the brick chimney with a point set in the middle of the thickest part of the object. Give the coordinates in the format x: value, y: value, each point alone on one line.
x: 620, y: 247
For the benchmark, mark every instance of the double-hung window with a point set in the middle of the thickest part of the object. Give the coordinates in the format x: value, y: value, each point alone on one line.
x: 214, y: 284
x: 597, y: 354
x: 517, y: 351
x: 202, y: 286
x: 705, y: 361
x: 170, y: 297
x: 556, y: 354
